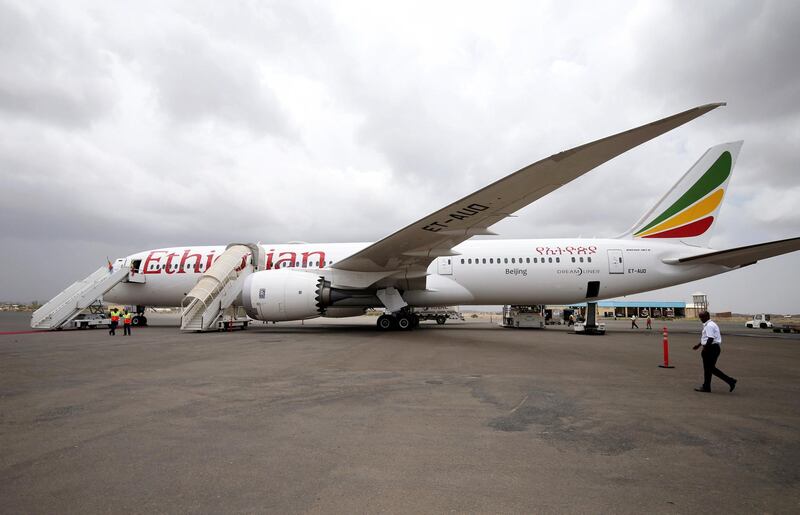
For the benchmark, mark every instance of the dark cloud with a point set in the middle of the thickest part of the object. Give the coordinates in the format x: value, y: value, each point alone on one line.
x: 49, y: 68
x: 200, y: 80
x: 126, y: 127
x: 739, y: 51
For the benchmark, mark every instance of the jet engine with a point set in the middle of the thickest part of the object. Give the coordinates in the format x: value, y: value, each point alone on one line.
x: 278, y: 295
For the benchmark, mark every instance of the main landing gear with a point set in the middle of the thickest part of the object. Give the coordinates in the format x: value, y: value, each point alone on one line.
x: 398, y: 321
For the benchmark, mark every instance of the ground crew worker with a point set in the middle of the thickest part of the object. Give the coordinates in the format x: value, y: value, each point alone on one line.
x: 711, y: 341
x: 633, y: 322
x: 127, y: 320
x: 114, y: 312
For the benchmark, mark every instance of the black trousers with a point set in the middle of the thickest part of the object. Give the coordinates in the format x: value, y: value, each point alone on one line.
x: 113, y: 330
x: 710, y: 355
x: 126, y: 329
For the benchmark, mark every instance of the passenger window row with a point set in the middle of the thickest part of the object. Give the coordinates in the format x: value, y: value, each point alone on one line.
x: 298, y: 264
x: 175, y: 266
x: 201, y: 267
x: 513, y: 261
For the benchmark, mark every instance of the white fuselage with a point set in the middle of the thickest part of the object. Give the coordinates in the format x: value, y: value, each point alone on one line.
x: 552, y: 271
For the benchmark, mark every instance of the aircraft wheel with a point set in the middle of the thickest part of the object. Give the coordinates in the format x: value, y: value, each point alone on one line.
x: 386, y: 322
x: 404, y: 322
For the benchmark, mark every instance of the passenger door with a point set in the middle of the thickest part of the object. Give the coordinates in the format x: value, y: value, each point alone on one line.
x: 615, y: 265
x: 445, y: 265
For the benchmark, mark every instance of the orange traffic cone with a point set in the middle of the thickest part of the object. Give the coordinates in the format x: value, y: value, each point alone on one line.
x: 666, y: 351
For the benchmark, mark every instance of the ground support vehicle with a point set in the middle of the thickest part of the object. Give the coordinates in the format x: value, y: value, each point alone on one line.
x: 789, y: 327
x: 583, y: 328
x: 232, y: 318
x: 761, y: 320
x: 93, y: 316
x: 523, y: 316
x: 97, y: 315
x: 90, y: 321
x: 235, y: 323
x: 440, y: 314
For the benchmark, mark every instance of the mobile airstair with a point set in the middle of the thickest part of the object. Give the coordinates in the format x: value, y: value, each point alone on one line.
x: 218, y: 287
x: 69, y: 303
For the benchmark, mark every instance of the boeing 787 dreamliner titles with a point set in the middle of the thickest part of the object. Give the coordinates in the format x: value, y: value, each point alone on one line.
x: 434, y: 262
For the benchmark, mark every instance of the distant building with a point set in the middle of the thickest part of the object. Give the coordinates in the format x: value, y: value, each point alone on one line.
x: 640, y: 308
x: 692, y: 309
x: 699, y: 303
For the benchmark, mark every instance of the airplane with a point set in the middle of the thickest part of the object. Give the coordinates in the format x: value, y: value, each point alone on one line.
x: 434, y: 261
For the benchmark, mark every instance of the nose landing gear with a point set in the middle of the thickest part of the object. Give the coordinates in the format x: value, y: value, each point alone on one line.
x: 139, y: 319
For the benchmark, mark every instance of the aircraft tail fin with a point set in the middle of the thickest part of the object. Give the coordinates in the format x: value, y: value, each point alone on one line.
x: 688, y: 211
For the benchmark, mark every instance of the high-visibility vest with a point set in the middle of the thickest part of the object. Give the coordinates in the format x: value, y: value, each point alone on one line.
x: 127, y: 318
x: 114, y: 315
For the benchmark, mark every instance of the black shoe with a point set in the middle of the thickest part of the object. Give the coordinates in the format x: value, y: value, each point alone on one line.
x: 733, y: 384
x: 701, y: 389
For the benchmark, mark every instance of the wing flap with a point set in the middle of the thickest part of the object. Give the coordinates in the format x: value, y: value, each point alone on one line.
x: 741, y: 256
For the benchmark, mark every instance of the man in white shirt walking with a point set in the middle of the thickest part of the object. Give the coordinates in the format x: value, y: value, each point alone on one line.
x: 711, y: 341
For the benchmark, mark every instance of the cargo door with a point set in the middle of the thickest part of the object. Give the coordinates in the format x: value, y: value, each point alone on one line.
x: 615, y: 265
x: 445, y: 265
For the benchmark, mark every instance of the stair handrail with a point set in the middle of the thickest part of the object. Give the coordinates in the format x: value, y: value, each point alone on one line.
x: 200, y: 299
x: 77, y: 289
x: 209, y: 295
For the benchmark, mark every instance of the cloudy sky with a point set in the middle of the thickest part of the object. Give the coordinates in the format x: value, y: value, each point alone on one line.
x: 132, y: 125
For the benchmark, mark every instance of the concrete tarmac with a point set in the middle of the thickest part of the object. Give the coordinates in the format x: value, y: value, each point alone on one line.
x: 335, y: 417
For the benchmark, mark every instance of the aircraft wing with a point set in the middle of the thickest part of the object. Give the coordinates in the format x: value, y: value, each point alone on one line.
x: 410, y: 250
x: 741, y: 256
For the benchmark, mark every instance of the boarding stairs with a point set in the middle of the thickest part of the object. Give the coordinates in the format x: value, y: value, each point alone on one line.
x: 69, y: 303
x: 219, y: 286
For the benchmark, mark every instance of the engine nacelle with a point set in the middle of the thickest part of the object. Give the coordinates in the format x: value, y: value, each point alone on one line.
x: 277, y: 295
x: 335, y: 312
